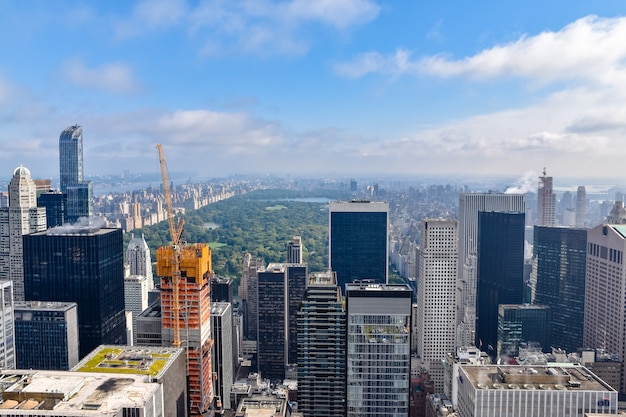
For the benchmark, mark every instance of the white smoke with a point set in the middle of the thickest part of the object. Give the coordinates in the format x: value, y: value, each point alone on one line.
x: 82, y: 224
x: 528, y: 183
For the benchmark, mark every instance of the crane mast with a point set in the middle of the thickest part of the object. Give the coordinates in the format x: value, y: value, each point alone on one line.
x: 176, y: 231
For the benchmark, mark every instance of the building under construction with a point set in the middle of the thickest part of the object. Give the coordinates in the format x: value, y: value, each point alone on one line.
x: 186, y: 318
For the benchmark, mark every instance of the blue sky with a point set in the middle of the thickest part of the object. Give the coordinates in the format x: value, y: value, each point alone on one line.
x: 356, y: 87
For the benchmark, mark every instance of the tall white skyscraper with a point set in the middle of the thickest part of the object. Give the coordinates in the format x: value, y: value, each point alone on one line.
x: 138, y: 258
x: 20, y: 218
x: 546, y: 202
x: 469, y: 206
x: 136, y: 289
x: 436, y: 295
x: 378, y: 349
x: 605, y: 285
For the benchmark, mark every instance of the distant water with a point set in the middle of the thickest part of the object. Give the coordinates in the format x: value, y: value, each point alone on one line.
x: 321, y: 200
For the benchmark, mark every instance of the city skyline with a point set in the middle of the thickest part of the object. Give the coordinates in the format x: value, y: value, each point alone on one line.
x: 363, y: 85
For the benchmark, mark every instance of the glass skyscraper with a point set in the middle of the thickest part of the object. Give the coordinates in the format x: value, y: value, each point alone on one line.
x: 378, y: 349
x: 79, y: 192
x: 85, y: 266
x: 500, y: 271
x: 358, y: 241
x: 558, y: 281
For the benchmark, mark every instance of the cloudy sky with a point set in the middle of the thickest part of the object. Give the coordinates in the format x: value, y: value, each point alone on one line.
x: 317, y: 86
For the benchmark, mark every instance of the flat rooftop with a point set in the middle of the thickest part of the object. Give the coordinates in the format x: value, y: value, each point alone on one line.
x: 44, y: 305
x: 575, y: 378
x: 262, y: 406
x: 139, y: 360
x: 219, y: 308
x: 71, y: 393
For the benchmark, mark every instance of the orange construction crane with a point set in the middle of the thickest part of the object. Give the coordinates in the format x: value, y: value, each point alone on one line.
x: 176, y: 231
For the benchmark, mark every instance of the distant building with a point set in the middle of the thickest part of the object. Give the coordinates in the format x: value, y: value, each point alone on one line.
x: 322, y: 349
x: 294, y: 250
x: 82, y: 265
x: 581, y: 206
x: 20, y: 218
x: 558, y: 280
x: 55, y: 203
x: 7, y: 330
x: 79, y: 192
x: 46, y: 335
x: 248, y: 291
x: 500, y: 272
x: 378, y: 349
x: 546, y: 202
x: 296, y: 283
x: 138, y: 257
x: 437, y: 295
x: 358, y: 241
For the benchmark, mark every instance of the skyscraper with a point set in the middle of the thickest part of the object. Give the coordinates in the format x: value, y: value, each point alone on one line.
x: 546, y: 202
x: 581, y: 206
x: 437, y: 295
x: 138, y: 257
x: 46, y: 335
x: 82, y: 265
x: 322, y: 349
x: 378, y: 349
x: 192, y: 310
x: 7, y: 329
x: 272, y: 328
x: 500, y: 272
x: 55, y: 203
x: 558, y: 281
x: 136, y: 289
x: 358, y: 241
x: 248, y: 291
x: 605, y: 286
x: 20, y: 218
x: 294, y: 250
x: 223, y: 364
x: 295, y: 281
x: 79, y: 192
x: 470, y: 204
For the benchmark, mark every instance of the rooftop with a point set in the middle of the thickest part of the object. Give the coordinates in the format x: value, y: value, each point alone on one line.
x: 575, y: 378
x: 44, y: 305
x: 71, y: 393
x: 140, y: 360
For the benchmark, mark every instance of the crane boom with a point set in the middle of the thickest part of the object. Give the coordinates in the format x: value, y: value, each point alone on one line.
x: 176, y: 231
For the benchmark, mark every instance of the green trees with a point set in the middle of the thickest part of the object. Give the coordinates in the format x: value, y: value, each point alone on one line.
x: 260, y: 222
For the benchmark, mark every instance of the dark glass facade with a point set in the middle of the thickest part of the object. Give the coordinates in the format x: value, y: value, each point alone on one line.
x: 358, y: 245
x: 56, y: 207
x: 500, y: 272
x: 321, y: 352
x: 221, y: 290
x: 271, y: 323
x: 85, y: 266
x: 296, y: 285
x: 523, y: 323
x: 559, y: 267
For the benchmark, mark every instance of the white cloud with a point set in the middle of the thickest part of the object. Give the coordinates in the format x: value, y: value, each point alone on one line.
x: 589, y: 49
x: 115, y: 77
x: 150, y: 15
x: 273, y: 27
